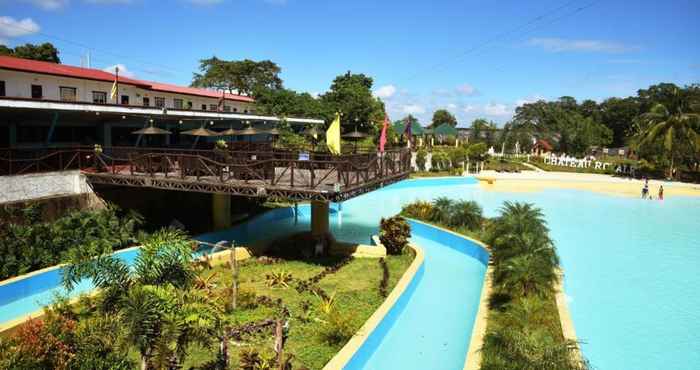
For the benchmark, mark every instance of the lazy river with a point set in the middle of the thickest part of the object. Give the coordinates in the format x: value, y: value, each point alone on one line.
x: 631, y: 275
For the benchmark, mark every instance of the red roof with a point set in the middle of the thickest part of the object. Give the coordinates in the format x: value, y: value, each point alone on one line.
x: 544, y: 144
x: 35, y: 66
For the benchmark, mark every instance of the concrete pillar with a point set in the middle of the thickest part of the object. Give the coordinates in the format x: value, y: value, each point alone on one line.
x: 221, y: 211
x: 319, y: 218
x: 13, y: 135
x: 107, y: 135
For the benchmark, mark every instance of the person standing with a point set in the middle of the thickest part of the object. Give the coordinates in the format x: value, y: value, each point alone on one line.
x: 661, y: 192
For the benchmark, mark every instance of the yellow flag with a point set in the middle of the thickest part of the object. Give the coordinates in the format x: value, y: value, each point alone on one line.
x: 333, y: 136
x: 113, y: 94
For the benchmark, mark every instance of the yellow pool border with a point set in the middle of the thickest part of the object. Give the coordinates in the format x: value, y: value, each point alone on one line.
x: 8, y: 327
x: 358, y: 339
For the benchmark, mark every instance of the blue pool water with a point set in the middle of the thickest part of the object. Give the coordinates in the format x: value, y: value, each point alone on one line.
x: 632, y: 275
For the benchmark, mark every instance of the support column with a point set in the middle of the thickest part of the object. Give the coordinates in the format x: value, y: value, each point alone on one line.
x: 319, y: 218
x: 221, y: 211
x: 13, y: 135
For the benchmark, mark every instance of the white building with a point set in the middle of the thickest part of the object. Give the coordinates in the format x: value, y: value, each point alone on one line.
x: 50, y: 104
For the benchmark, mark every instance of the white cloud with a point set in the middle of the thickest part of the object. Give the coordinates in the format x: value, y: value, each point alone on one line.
x: 48, y: 4
x: 469, y: 108
x: 466, y: 89
x: 386, y: 91
x: 529, y: 100
x: 413, y: 109
x: 10, y: 28
x: 497, y: 109
x: 123, y: 71
x: 452, y: 107
x: 557, y: 45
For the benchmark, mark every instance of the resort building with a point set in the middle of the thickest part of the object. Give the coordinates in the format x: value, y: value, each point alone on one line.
x: 48, y: 104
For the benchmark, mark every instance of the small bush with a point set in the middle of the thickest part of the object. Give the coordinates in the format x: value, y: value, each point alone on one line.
x: 279, y: 279
x: 394, y: 233
x: 420, y: 210
x: 466, y: 213
x: 247, y: 298
x: 337, y: 328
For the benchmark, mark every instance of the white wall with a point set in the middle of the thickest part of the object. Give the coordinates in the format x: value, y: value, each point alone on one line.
x: 39, y: 185
x: 18, y: 84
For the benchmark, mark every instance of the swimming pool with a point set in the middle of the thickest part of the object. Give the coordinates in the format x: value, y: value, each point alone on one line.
x: 631, y: 266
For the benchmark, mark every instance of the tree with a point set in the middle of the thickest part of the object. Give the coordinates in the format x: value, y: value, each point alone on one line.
x: 289, y: 103
x: 45, y: 52
x: 351, y: 95
x: 142, y: 297
x: 237, y: 76
x: 618, y: 115
x: 482, y: 130
x: 443, y: 116
x: 678, y: 129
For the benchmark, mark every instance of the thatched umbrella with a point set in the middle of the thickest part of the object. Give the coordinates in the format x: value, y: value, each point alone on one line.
x: 355, y: 136
x: 150, y: 130
x: 200, y: 132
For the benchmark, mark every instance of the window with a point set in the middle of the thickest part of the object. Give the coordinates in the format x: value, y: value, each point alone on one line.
x: 160, y: 101
x: 212, y: 107
x: 125, y: 99
x: 67, y: 93
x: 177, y: 103
x: 99, y: 97
x: 2, y: 88
x: 204, y: 107
x: 189, y: 105
x: 37, y: 92
x: 146, y: 101
x: 227, y: 108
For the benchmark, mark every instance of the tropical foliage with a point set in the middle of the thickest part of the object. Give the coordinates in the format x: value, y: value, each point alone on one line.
x: 394, y: 233
x: 523, y: 329
x: 45, y: 52
x: 27, y: 244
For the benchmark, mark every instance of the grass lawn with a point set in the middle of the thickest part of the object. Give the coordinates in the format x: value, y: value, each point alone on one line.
x: 355, y: 287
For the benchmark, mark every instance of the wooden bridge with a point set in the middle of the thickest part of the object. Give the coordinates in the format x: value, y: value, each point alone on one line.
x: 267, y: 172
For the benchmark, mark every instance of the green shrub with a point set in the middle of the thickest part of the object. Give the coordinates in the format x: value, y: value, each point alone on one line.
x: 439, y: 161
x: 394, y: 233
x: 466, y: 213
x: 337, y: 328
x: 27, y: 244
x: 420, y: 210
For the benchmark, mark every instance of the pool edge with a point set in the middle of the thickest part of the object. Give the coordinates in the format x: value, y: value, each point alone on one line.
x: 565, y: 320
x: 353, y: 345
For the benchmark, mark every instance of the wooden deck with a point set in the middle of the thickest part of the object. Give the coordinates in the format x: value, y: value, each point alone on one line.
x: 284, y: 175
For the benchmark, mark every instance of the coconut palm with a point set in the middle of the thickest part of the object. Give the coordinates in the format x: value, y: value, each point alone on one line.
x: 148, y: 298
x: 442, y: 208
x: 677, y: 126
x: 518, y: 228
x: 467, y: 213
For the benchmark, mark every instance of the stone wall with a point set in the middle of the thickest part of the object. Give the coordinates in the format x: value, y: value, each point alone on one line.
x: 42, y: 185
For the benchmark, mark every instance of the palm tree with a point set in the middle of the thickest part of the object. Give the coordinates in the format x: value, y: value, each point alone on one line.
x: 146, y: 298
x: 442, y: 208
x: 676, y: 126
x: 467, y: 213
x: 518, y: 228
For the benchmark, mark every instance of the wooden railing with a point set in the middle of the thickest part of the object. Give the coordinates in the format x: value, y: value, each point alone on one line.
x: 316, y: 171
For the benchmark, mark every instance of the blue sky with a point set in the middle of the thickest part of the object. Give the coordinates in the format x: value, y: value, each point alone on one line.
x: 477, y: 58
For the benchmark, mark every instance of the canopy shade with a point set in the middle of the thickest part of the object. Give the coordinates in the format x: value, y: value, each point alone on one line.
x: 355, y: 135
x: 150, y: 130
x: 248, y: 131
x: 230, y: 132
x: 416, y: 128
x: 200, y: 132
x: 445, y: 129
x: 312, y: 131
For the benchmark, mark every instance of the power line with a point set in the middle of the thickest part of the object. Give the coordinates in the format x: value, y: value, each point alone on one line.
x: 495, y: 38
x: 88, y: 47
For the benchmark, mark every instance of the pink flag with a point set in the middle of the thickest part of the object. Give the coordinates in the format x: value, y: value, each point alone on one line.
x: 382, y: 138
